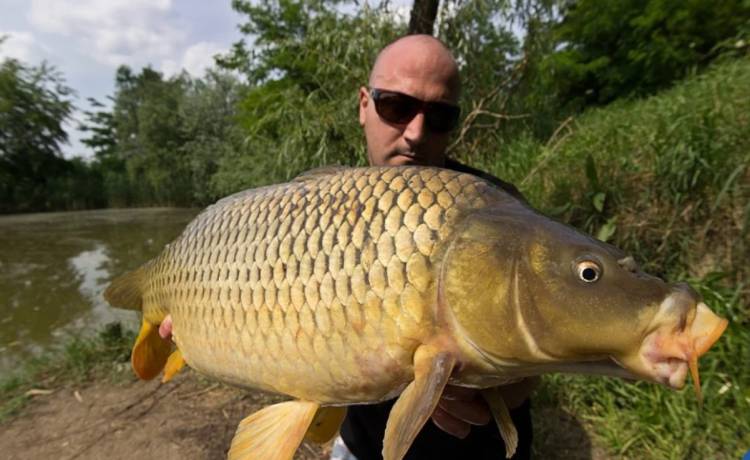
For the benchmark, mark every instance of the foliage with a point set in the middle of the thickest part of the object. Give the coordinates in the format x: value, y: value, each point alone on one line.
x: 671, y: 171
x: 478, y: 34
x: 161, y: 141
x: 610, y: 49
x: 34, y: 104
x: 301, y: 112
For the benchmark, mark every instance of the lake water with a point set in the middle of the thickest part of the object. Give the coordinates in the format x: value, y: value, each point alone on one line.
x: 54, y: 268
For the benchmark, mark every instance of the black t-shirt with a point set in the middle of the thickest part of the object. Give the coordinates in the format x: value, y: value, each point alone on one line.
x: 364, y: 426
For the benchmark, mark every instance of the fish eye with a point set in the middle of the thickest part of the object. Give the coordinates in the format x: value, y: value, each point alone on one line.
x: 588, y: 271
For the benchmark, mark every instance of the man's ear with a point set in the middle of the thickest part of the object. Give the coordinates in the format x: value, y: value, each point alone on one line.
x: 364, y: 97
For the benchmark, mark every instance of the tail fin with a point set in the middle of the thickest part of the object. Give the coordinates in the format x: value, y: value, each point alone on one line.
x: 126, y: 291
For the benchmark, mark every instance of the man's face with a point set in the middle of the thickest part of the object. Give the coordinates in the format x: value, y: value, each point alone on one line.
x: 426, y: 74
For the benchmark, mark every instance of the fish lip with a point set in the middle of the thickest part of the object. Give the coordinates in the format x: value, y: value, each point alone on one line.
x: 667, y: 351
x: 664, y: 368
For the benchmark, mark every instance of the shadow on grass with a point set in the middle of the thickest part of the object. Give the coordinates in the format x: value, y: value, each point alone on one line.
x: 560, y: 435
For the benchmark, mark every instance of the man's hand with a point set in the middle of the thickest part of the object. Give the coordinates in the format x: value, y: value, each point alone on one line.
x: 165, y: 328
x: 459, y: 407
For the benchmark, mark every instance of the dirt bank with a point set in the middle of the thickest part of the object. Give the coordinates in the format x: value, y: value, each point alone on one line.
x: 184, y: 419
x: 189, y: 418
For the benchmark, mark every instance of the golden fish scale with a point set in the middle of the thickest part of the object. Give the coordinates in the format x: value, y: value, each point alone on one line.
x: 320, y: 288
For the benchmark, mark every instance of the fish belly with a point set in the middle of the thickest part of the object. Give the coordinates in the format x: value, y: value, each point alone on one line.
x: 321, y: 288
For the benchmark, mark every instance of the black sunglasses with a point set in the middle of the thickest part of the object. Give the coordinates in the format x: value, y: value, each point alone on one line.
x: 400, y: 109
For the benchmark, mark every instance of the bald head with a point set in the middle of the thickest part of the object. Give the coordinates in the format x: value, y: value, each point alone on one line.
x: 422, y: 67
x: 420, y: 58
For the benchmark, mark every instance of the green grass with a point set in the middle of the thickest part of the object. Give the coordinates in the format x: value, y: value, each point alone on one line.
x: 105, y: 356
x: 668, y: 179
x: 643, y: 420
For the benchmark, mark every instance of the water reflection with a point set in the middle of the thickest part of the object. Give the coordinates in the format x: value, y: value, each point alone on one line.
x: 54, y: 267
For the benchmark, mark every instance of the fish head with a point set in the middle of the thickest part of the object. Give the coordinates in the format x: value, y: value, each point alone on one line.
x: 534, y: 295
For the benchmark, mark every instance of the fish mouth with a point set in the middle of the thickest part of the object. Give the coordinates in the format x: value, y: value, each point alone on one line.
x: 672, y: 349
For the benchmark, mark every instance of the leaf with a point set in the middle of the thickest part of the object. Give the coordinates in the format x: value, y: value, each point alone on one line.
x: 598, y: 201
x: 607, y: 230
x: 591, y: 172
x: 559, y: 210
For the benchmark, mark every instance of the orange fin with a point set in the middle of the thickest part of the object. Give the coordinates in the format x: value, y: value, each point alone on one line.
x: 274, y: 432
x: 326, y: 424
x: 150, y: 352
x: 175, y: 362
x: 501, y: 414
x: 432, y: 369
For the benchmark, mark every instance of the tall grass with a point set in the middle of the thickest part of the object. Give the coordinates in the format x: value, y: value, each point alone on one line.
x: 668, y: 179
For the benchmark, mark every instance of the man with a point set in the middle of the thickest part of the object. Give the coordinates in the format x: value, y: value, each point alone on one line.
x: 408, y: 113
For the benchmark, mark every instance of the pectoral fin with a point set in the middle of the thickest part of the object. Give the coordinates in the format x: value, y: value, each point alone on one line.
x: 432, y: 369
x: 326, y: 424
x: 501, y: 414
x: 175, y: 362
x: 150, y: 352
x: 273, y: 433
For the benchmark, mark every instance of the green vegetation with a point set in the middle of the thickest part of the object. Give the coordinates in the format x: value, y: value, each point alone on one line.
x: 288, y: 102
x: 34, y: 103
x: 643, y: 420
x: 665, y: 178
x: 618, y: 48
x: 105, y: 356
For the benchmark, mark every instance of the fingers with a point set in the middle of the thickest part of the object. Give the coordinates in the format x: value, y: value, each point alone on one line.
x: 458, y: 409
x: 450, y: 424
x: 474, y: 411
x: 165, y: 328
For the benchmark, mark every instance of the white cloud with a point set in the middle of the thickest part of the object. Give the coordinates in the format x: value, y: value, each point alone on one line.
x: 113, y: 32
x: 19, y: 45
x: 196, y: 59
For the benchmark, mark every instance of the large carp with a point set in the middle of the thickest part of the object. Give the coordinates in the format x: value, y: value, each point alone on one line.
x: 358, y: 285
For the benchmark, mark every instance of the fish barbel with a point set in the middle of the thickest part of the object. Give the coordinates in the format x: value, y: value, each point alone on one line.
x: 357, y: 285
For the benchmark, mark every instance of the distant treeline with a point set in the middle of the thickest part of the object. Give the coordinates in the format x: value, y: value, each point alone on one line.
x: 289, y: 103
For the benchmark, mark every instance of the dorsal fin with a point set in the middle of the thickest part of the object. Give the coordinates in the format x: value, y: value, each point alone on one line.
x: 316, y: 173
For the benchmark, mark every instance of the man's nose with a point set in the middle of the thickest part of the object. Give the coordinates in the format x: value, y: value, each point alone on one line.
x: 416, y: 131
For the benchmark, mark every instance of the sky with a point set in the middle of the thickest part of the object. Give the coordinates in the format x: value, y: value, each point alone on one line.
x: 86, y: 40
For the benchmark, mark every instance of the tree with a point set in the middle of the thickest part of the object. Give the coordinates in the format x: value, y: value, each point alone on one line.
x: 34, y: 104
x: 608, y: 49
x: 148, y: 128
x: 422, y: 18
x: 305, y: 67
x: 209, y: 123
